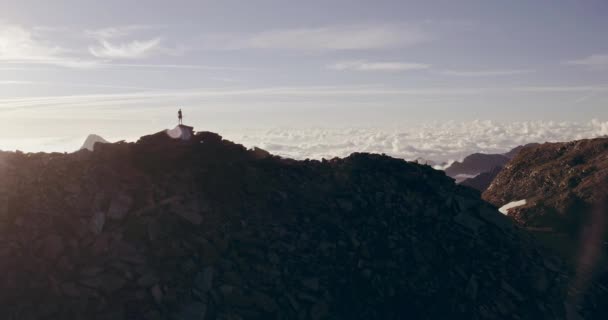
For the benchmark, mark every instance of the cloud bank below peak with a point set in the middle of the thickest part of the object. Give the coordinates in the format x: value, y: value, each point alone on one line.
x: 439, y: 141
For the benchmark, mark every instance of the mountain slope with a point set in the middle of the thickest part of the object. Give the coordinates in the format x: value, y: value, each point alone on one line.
x: 565, y: 186
x: 205, y: 229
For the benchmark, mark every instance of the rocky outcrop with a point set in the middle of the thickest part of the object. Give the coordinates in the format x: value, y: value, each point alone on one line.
x: 206, y: 229
x: 560, y: 181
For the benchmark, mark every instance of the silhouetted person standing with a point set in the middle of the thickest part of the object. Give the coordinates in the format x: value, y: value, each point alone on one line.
x: 179, y: 116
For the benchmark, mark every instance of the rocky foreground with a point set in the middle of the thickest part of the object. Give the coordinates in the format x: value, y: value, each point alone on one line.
x: 205, y: 229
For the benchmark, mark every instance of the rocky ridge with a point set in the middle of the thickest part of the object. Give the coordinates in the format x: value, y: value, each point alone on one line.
x: 206, y: 229
x: 475, y: 164
x: 560, y: 181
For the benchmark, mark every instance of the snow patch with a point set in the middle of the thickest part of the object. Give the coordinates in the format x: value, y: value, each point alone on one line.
x: 505, y: 209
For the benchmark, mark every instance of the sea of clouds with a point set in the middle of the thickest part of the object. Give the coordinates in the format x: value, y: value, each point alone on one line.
x: 438, y: 141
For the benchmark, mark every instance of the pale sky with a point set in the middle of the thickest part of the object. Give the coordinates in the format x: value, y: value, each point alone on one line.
x: 122, y: 68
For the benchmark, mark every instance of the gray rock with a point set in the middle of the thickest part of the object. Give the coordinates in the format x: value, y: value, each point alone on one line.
x: 97, y: 222
x: 191, y: 216
x: 157, y: 293
x: 311, y: 283
x: 119, y: 206
x: 204, y: 280
x: 147, y: 280
x: 192, y: 311
x: 472, y: 288
x: 468, y: 221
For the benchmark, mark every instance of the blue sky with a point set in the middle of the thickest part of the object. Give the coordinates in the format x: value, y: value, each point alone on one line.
x: 121, y: 68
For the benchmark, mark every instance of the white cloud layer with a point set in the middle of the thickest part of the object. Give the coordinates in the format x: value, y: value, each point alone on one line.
x: 362, y: 65
x: 19, y: 45
x: 440, y: 141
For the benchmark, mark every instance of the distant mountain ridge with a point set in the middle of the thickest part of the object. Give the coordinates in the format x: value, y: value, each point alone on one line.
x: 91, y: 140
x: 479, y: 169
x: 475, y: 164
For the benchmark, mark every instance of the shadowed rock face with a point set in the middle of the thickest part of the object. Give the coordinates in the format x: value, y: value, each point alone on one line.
x: 205, y: 229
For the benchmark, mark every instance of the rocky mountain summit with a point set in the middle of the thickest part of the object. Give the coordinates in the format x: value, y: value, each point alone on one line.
x: 202, y: 228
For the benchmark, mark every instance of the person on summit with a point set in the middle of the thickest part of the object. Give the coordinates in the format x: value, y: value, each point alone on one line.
x: 179, y: 116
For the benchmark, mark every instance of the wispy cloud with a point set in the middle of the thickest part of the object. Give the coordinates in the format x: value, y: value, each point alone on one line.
x: 156, y: 96
x: 15, y: 82
x: 485, y: 73
x: 69, y: 84
x: 19, y: 45
x: 172, y: 66
x: 130, y: 50
x: 125, y: 42
x: 327, y: 38
x: 387, y: 66
x: 595, y: 61
x: 118, y: 31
